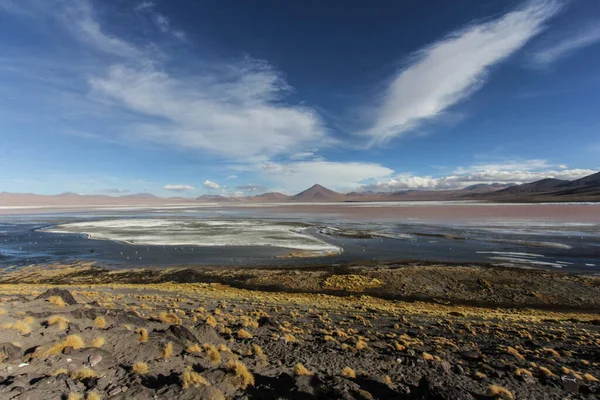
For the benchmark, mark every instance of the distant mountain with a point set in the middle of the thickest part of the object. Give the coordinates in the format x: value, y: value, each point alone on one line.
x: 543, y: 185
x: 549, y: 190
x: 318, y: 193
x: 273, y: 196
x: 216, y: 198
x: 139, y: 196
x: 487, y: 187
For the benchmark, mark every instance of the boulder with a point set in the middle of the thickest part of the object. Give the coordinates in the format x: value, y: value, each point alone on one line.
x: 62, y: 293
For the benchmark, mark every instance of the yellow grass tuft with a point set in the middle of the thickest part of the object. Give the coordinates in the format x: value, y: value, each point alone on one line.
x: 289, y: 338
x: 139, y: 368
x: 214, y: 356
x: 300, y: 370
x: 100, y: 322
x: 143, y: 332
x: 590, y: 378
x: 258, y: 351
x: 170, y: 318
x: 192, y: 378
x: 97, y: 342
x: 498, y: 392
x: 57, y: 301
x: 75, y: 396
x: 194, y: 348
x: 387, y: 379
x: 523, y: 371
x: 515, y: 353
x: 211, y: 321
x: 223, y: 347
x: 168, y: 351
x: 244, y: 334
x: 361, y: 345
x: 243, y: 378
x: 93, y: 395
x: 571, y: 372
x: 60, y: 321
x: 551, y: 352
x: 546, y: 372
x: 83, y: 373
x: 74, y: 341
x: 59, y: 371
x: 29, y: 320
x: 427, y: 357
x: 348, y: 373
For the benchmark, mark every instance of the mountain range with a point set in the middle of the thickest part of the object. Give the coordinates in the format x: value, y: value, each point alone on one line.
x: 546, y: 190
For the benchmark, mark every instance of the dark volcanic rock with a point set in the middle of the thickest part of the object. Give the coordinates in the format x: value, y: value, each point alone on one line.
x: 432, y: 389
x: 62, y: 293
x: 182, y: 333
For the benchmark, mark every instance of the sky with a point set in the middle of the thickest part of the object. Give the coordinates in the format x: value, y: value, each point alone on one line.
x: 185, y: 98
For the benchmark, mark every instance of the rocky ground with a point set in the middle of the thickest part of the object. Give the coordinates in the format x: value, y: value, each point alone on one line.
x: 140, y: 335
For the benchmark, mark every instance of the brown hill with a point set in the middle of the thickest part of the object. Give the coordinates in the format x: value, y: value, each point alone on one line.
x: 318, y: 193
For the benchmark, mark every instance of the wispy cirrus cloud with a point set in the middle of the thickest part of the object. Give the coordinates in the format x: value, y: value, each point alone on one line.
x: 560, y: 49
x: 450, y: 70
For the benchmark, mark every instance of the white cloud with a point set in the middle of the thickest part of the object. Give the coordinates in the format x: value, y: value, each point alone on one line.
x: 297, y: 176
x: 210, y: 185
x: 179, y: 188
x: 450, y: 70
x: 563, y: 48
x: 510, y: 172
x: 230, y: 177
x: 231, y: 110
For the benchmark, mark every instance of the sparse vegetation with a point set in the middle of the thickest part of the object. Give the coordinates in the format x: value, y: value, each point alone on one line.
x: 139, y: 368
x: 348, y: 373
x: 242, y: 377
x: 57, y: 301
x: 301, y: 370
x: 143, y: 332
x: 498, y: 392
x: 192, y: 378
x: 97, y: 342
x: 100, y: 322
x: 60, y: 321
x: 168, y: 351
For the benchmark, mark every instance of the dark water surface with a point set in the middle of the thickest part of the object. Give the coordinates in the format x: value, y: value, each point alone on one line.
x: 569, y: 247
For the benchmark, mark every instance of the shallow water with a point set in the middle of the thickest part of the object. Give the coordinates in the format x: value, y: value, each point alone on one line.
x: 254, y: 236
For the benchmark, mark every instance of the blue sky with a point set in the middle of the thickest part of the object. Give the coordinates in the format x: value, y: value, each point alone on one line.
x: 233, y: 97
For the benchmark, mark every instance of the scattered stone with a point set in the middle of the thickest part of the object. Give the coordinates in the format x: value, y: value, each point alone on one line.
x: 12, y: 352
x: 182, y: 333
x: 114, y: 391
x: 94, y: 359
x: 570, y: 384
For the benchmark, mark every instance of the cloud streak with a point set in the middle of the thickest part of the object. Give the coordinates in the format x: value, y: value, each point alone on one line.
x: 567, y: 46
x: 179, y: 188
x: 450, y: 70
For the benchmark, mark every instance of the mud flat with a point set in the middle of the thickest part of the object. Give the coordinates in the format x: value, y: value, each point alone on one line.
x: 82, y: 331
